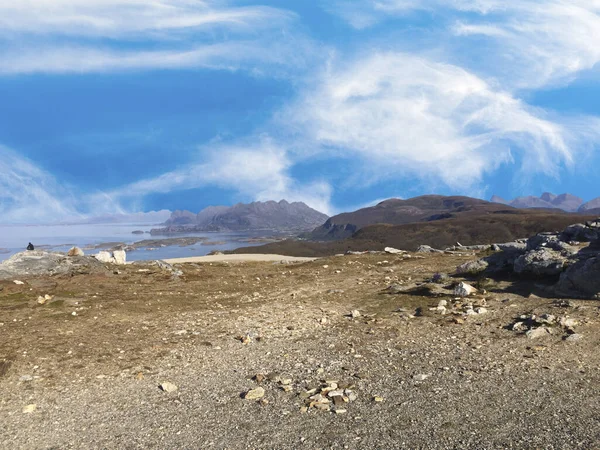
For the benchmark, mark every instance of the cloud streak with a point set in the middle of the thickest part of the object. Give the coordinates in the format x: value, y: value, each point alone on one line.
x: 80, y: 36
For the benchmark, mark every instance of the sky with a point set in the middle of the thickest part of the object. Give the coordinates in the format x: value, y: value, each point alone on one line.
x: 125, y: 106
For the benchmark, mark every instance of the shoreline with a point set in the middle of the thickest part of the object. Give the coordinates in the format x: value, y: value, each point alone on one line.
x: 251, y: 257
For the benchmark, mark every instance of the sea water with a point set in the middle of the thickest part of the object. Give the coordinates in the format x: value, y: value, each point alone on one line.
x: 61, y: 238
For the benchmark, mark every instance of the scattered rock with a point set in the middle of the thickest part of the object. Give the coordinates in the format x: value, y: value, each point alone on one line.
x: 168, y: 387
x: 254, y: 394
x: 421, y: 377
x: 29, y: 409
x: 355, y: 314
x: 536, y: 333
x: 393, y: 251
x: 574, y: 337
x: 18, y: 282
x: 464, y: 290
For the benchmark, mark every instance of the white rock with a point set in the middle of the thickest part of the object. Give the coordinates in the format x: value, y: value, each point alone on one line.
x: 18, y: 282
x: 168, y: 387
x: 120, y: 257
x: 421, y: 377
x: 105, y: 257
x: 481, y: 311
x: 29, y: 409
x: 355, y: 313
x: 464, y: 290
x: 393, y: 251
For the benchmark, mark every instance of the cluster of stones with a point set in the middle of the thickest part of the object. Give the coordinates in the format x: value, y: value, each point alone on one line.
x: 330, y: 395
x: 534, y: 326
x: 572, y: 257
x: 462, y: 305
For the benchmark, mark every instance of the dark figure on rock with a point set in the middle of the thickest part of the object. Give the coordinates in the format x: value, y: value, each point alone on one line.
x: 30, y: 247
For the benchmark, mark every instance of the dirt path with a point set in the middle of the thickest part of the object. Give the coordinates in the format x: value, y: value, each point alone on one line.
x: 429, y: 381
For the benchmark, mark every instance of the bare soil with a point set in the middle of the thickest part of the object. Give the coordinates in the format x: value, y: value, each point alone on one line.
x: 441, y: 381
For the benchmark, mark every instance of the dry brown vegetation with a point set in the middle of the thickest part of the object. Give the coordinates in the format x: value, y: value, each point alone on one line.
x: 444, y: 381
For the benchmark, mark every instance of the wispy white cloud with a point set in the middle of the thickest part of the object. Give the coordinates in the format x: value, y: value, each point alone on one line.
x: 531, y: 43
x: 80, y: 36
x: 259, y: 169
x: 75, y: 59
x: 399, y: 115
x: 119, y: 18
x: 29, y: 194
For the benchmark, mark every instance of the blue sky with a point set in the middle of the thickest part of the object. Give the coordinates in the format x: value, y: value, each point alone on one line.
x: 114, y: 106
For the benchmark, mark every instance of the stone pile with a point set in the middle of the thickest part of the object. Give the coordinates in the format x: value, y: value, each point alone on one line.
x: 564, y: 256
x: 534, y: 326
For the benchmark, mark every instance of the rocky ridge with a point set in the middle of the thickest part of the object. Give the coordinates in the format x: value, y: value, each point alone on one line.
x: 570, y: 257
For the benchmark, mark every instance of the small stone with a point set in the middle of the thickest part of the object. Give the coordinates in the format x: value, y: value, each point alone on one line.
x: 518, y: 326
x: 287, y: 388
x: 29, y: 409
x: 254, y: 394
x: 341, y: 411
x: 25, y: 378
x: 568, y: 323
x: 464, y: 290
x: 168, y: 387
x: 41, y: 300
x: 547, y: 319
x: 536, y: 333
x: 74, y: 313
x: 481, y: 311
x: 18, y: 282
x: 338, y: 400
x: 377, y: 399
x: 139, y: 376
x: 355, y: 314
x: 259, y: 378
x: 574, y: 337
x: 421, y: 377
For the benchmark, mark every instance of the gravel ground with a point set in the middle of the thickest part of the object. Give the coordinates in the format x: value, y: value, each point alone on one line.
x: 90, y: 380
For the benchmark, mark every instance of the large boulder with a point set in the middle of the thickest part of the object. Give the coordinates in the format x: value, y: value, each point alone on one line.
x: 118, y: 257
x: 41, y: 263
x: 581, y: 233
x: 581, y: 279
x: 542, y: 262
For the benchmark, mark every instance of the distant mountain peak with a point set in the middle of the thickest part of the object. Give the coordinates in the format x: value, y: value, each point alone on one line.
x: 268, y: 215
x: 566, y: 202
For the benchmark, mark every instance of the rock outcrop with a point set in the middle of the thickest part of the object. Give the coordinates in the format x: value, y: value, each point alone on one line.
x: 560, y: 255
x: 41, y: 263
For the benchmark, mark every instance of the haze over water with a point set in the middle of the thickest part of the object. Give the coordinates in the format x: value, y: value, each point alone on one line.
x: 14, y: 238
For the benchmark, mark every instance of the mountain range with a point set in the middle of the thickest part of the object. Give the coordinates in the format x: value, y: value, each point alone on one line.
x: 273, y: 216
x: 547, y: 200
x: 433, y: 220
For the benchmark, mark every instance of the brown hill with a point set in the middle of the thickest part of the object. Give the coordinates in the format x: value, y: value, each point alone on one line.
x: 475, y: 222
x: 396, y: 212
